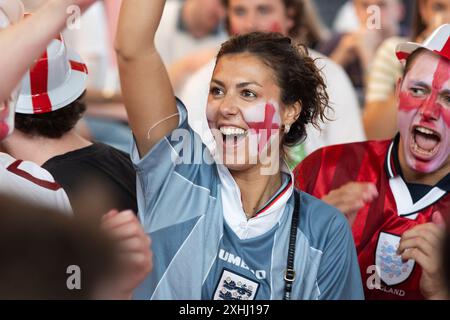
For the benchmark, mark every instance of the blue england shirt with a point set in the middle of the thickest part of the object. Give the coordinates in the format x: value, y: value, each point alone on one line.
x: 205, y: 248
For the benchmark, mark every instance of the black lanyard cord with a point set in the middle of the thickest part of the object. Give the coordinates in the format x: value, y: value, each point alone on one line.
x: 289, y: 276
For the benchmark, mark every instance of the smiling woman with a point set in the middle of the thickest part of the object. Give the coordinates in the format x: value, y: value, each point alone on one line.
x: 291, y: 75
x: 265, y: 90
x: 223, y: 230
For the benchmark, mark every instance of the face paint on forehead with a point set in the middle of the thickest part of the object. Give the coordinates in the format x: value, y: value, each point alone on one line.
x: 442, y: 74
x: 441, y: 77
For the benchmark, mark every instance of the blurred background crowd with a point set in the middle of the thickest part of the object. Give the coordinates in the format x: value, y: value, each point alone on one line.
x: 354, y: 42
x: 358, y: 35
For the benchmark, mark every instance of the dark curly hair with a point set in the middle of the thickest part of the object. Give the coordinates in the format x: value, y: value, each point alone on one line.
x: 297, y: 76
x: 53, y: 124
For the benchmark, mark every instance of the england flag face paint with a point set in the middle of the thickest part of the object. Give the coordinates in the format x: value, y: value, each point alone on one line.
x: 243, y: 111
x: 255, y: 140
x: 264, y: 121
x: 424, y: 113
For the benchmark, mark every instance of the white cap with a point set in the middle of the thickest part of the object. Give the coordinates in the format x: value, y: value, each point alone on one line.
x: 56, y: 79
x: 438, y: 42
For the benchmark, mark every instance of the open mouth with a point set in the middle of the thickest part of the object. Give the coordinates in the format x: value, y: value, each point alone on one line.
x: 425, y: 142
x: 232, y: 135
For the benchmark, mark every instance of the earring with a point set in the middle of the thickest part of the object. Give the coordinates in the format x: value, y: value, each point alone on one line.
x: 287, y: 127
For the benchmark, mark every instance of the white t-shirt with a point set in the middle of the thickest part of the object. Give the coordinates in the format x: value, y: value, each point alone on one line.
x: 173, y: 43
x: 31, y: 183
x: 346, y: 127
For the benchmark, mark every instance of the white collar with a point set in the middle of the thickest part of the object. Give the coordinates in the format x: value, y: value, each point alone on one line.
x: 234, y: 214
x: 405, y: 206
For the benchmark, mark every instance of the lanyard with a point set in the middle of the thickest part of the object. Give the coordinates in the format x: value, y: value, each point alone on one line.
x: 289, y: 276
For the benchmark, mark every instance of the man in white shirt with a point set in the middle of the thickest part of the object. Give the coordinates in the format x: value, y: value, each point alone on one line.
x: 26, y: 179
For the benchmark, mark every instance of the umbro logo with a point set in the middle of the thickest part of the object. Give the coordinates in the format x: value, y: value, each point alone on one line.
x: 238, y: 261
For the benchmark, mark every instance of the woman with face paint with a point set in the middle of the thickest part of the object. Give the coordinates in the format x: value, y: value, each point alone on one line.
x: 399, y: 225
x: 230, y: 225
x: 295, y: 19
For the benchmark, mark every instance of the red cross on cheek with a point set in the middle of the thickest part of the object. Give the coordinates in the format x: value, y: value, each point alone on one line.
x: 407, y: 102
x: 268, y: 127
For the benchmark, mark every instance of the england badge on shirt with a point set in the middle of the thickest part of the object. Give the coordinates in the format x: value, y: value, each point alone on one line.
x: 390, y: 265
x: 233, y: 286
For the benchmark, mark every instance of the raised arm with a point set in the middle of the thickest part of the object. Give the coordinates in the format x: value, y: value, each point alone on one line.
x: 146, y: 88
x: 34, y: 32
